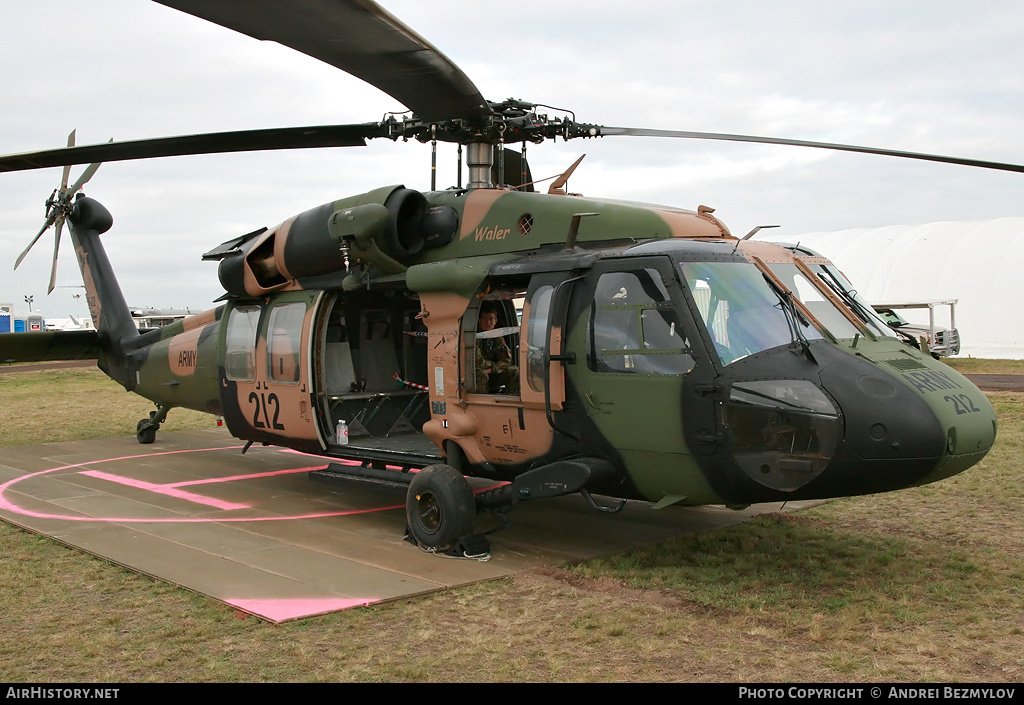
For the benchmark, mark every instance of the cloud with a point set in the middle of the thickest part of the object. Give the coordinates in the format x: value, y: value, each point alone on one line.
x: 925, y: 76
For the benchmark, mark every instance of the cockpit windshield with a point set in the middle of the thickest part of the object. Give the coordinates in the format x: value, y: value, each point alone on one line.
x: 828, y: 276
x: 820, y: 306
x: 744, y: 314
x: 835, y: 280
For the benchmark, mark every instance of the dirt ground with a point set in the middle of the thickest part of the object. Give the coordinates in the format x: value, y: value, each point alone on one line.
x: 998, y: 383
x: 31, y: 367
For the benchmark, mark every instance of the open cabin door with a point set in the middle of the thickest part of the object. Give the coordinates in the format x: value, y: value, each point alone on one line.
x: 370, y: 371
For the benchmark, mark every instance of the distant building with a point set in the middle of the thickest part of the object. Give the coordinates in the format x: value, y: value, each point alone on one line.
x: 13, y: 322
x: 70, y: 323
x: 159, y: 317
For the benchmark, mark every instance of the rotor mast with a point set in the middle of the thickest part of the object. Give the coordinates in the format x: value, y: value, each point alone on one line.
x: 486, y: 136
x: 480, y: 160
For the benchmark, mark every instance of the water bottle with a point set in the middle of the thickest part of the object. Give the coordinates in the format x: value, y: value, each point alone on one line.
x: 341, y: 432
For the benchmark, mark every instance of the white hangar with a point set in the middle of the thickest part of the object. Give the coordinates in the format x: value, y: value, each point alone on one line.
x: 977, y: 262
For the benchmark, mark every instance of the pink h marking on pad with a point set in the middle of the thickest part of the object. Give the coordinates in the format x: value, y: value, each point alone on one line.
x: 168, y: 490
x: 171, y: 489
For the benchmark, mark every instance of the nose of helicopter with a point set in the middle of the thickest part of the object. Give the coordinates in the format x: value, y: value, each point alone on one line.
x: 894, y: 434
x: 910, y: 422
x: 860, y: 428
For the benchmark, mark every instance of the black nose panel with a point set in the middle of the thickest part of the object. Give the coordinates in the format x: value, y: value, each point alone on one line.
x: 888, y: 436
x: 884, y: 418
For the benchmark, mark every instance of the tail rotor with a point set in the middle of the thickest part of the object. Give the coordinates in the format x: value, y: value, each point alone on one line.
x: 58, y: 208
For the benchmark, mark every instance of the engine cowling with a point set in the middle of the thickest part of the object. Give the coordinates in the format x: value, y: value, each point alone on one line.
x: 386, y: 229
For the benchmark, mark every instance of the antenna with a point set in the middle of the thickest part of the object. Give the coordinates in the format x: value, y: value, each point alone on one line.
x: 756, y: 230
x: 574, y: 228
x: 557, y: 186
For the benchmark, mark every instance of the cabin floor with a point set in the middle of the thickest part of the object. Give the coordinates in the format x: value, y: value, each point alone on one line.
x: 411, y: 448
x: 254, y: 532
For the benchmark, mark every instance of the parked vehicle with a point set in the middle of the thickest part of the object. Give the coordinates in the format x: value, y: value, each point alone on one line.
x: 940, y: 342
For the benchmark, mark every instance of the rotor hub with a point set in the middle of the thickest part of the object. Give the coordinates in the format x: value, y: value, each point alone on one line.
x: 509, y: 122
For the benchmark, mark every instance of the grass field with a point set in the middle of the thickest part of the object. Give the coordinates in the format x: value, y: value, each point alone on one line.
x: 974, y: 365
x: 920, y: 585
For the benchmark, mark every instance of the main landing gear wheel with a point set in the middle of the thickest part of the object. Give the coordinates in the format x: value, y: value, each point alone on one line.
x: 439, y: 507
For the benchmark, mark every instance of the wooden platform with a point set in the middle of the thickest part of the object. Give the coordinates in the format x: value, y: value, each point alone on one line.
x: 254, y: 532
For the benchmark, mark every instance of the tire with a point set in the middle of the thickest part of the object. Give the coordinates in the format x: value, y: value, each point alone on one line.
x: 439, y: 507
x: 145, y: 433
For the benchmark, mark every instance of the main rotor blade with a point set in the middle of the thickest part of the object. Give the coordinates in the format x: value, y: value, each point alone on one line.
x: 209, y: 143
x: 360, y: 38
x: 643, y: 132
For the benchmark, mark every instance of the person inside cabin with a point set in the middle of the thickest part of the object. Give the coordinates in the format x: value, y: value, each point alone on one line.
x: 495, y: 373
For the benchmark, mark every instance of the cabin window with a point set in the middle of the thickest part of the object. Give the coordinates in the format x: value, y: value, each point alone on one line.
x: 495, y: 352
x: 536, y: 336
x: 240, y: 343
x: 634, y: 327
x: 284, y: 340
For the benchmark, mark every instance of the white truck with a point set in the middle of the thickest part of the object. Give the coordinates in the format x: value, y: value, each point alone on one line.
x: 938, y: 341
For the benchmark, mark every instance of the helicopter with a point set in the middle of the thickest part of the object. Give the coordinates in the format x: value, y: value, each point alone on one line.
x: 651, y: 354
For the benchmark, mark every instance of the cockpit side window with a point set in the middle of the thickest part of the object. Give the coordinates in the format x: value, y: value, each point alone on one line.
x: 536, y: 336
x: 634, y: 327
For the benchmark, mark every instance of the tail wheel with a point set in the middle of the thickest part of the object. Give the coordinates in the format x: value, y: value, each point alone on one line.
x: 144, y: 432
x: 439, y: 507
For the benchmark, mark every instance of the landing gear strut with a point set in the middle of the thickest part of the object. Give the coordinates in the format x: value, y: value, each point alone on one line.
x: 145, y: 430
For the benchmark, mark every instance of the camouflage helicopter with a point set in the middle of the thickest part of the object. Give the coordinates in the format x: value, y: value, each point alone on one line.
x: 637, y: 352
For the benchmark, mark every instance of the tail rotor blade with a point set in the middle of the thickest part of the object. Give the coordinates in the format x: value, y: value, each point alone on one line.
x: 48, y: 223
x: 86, y: 175
x: 57, y: 208
x: 84, y: 178
x: 56, y: 249
x: 67, y: 167
x: 64, y: 178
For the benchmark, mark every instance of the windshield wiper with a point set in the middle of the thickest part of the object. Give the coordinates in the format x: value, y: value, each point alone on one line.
x: 850, y: 299
x: 794, y: 317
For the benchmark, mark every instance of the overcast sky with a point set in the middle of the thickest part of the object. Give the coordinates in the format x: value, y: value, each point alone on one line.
x: 930, y: 76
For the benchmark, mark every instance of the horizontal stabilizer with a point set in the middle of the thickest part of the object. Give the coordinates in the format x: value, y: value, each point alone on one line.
x: 49, y: 345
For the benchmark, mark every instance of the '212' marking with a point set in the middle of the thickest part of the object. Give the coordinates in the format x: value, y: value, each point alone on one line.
x: 962, y: 403
x: 262, y: 401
